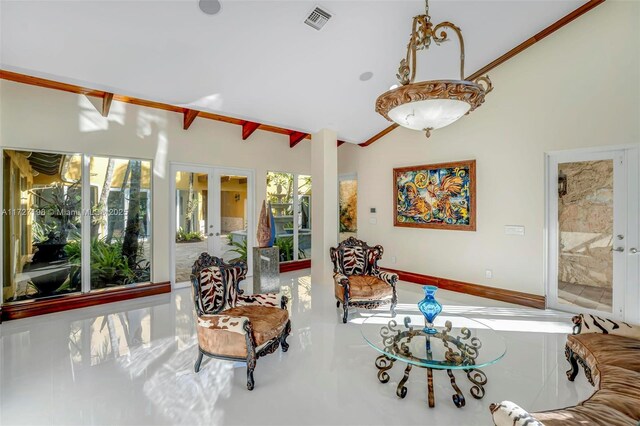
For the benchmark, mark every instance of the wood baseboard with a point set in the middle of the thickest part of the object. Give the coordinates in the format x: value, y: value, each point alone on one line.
x: 510, y: 296
x: 32, y: 308
x: 294, y: 266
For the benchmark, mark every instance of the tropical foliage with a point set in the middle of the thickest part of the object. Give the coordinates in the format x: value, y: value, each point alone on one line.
x: 240, y: 248
x: 183, y: 236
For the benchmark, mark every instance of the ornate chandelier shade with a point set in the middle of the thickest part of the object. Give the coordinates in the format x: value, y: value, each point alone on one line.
x: 430, y: 105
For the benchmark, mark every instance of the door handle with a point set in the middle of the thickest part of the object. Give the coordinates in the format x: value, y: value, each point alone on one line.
x: 618, y: 249
x: 633, y: 250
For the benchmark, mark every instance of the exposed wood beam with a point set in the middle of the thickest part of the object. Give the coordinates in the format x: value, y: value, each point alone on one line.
x: 536, y: 38
x: 510, y: 54
x: 189, y: 116
x: 106, y: 103
x: 248, y: 127
x: 296, y: 137
x: 378, y: 135
x: 49, y: 84
x: 56, y: 85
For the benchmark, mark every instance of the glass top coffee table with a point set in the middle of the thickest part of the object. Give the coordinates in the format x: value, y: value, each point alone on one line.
x: 459, y: 343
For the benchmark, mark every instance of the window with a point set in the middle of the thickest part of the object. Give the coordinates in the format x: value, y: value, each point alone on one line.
x: 290, y: 198
x: 55, y: 228
x: 120, y: 221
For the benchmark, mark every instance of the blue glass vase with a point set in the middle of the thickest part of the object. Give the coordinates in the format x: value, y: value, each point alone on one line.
x: 430, y: 307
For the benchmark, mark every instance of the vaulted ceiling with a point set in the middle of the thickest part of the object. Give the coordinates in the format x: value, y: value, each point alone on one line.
x: 257, y: 60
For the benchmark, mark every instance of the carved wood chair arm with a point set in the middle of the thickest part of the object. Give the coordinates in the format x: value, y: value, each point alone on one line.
x: 390, y: 278
x: 588, y: 323
x: 274, y: 300
x: 508, y: 413
x: 341, y: 279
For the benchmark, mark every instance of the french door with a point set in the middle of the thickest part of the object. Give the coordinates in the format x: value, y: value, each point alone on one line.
x: 212, y: 211
x: 592, y: 264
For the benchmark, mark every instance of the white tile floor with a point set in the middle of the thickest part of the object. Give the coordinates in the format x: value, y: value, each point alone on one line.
x: 131, y: 363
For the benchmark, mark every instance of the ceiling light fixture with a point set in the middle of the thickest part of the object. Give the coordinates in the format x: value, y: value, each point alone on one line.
x: 430, y: 105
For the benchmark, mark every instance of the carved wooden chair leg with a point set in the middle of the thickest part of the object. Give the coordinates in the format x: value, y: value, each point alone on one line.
x: 283, y: 337
x: 250, y: 382
x: 571, y: 357
x: 345, y: 305
x: 198, y: 361
x: 251, y: 354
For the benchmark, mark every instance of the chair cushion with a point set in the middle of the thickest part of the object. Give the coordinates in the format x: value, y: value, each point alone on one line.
x: 583, y: 415
x: 365, y: 287
x: 615, y: 367
x: 616, y: 403
x: 267, y: 322
x: 606, y: 349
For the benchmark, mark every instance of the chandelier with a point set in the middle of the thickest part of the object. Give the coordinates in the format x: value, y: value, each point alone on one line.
x: 430, y: 105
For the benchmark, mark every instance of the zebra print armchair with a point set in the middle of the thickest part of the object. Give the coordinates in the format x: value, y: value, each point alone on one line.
x: 358, y: 280
x: 230, y: 325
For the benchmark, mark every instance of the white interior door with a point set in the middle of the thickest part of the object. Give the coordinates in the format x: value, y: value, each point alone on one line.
x: 588, y: 240
x: 232, y: 215
x: 213, y: 212
x: 191, y: 221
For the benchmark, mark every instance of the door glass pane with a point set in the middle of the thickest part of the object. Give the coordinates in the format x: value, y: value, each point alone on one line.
x: 304, y: 217
x: 42, y: 224
x: 348, y: 205
x: 233, y: 218
x: 280, y: 195
x: 585, y: 222
x: 120, y: 221
x: 191, y: 221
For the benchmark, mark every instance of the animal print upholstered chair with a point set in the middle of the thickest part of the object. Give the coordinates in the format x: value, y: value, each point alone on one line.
x: 232, y: 326
x: 358, y: 280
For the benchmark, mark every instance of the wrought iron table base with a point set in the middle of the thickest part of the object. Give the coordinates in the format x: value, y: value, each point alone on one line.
x: 474, y: 375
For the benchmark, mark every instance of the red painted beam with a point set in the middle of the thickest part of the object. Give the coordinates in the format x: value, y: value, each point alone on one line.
x: 296, y: 137
x: 340, y: 143
x: 189, y: 116
x: 248, y: 127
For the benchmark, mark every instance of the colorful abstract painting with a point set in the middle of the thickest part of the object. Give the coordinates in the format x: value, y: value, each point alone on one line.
x: 436, y: 196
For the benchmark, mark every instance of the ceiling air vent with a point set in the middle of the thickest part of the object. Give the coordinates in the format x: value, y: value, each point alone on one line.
x: 317, y: 18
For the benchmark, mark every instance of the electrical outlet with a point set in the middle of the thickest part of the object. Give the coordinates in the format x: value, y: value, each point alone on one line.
x: 488, y: 273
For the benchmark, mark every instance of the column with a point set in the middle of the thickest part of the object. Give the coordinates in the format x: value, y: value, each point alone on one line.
x: 324, y: 209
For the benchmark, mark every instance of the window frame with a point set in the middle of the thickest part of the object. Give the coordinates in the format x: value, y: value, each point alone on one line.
x: 85, y: 262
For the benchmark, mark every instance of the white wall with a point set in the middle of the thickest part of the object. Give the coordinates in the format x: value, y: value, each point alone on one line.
x: 36, y: 118
x: 579, y: 87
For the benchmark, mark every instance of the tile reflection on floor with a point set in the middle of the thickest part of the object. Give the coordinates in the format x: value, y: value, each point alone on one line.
x: 131, y: 363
